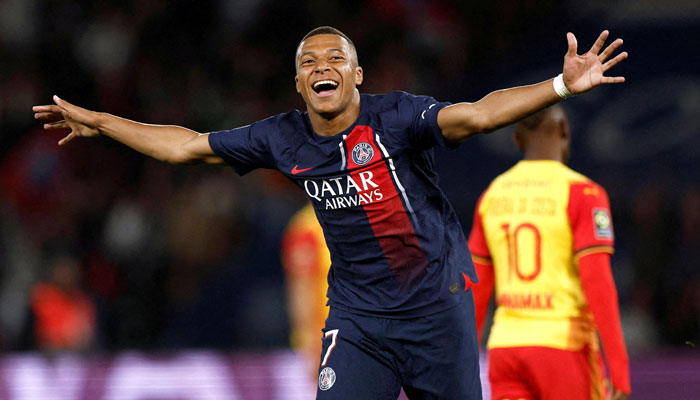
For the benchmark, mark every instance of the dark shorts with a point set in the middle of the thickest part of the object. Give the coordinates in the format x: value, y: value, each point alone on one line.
x: 432, y: 357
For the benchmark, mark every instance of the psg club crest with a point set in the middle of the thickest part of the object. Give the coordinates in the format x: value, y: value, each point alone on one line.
x: 362, y: 153
x: 326, y: 378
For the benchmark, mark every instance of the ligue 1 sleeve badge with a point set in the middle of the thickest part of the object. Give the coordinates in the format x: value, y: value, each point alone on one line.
x: 603, y: 227
x: 326, y: 378
x: 362, y: 153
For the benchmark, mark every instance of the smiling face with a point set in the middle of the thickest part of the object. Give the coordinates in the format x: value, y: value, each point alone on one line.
x: 327, y: 75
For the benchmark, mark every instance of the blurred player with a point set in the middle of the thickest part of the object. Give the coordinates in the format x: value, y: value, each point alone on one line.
x: 543, y: 236
x: 400, y: 312
x: 306, y: 261
x: 64, y: 315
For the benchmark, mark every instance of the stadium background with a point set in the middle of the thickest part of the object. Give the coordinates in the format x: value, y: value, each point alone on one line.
x: 182, y: 263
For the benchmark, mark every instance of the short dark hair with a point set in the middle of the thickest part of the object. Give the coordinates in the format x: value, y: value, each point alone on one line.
x: 533, y: 121
x: 327, y: 30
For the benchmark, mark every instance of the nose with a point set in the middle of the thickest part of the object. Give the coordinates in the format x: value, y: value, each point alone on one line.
x: 321, y: 65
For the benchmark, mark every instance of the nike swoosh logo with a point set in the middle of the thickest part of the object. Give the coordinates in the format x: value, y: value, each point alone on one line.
x: 297, y: 171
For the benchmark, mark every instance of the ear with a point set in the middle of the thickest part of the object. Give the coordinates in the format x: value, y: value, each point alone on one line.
x: 296, y: 83
x: 358, y: 76
x: 518, y: 142
x: 564, y: 129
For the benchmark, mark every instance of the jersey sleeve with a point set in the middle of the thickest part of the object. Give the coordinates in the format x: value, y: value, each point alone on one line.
x: 245, y: 148
x: 424, y: 131
x: 481, y: 256
x: 590, y: 219
x: 477, y: 238
x: 482, y: 294
x: 598, y: 285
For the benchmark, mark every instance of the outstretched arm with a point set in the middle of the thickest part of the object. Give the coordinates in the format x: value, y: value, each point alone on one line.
x: 581, y: 73
x: 169, y: 143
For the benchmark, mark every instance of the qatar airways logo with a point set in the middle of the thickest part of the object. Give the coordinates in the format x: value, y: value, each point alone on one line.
x: 344, y: 191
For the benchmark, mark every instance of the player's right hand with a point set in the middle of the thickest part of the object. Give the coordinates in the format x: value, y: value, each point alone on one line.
x: 81, y: 122
x: 583, y: 72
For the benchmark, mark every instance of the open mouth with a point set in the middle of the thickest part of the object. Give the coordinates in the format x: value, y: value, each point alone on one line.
x: 325, y: 87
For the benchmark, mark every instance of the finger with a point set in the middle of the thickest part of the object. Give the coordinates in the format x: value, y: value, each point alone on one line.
x: 573, y: 44
x: 612, y: 79
x: 47, y: 108
x: 62, y: 103
x: 599, y: 42
x: 67, y: 109
x: 611, y: 63
x: 610, y: 49
x: 47, y: 115
x: 56, y: 125
x: 66, y: 139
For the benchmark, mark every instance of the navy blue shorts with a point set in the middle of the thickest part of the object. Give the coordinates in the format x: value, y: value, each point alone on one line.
x: 432, y: 357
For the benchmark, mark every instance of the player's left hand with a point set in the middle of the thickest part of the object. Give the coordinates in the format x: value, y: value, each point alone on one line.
x: 586, y: 71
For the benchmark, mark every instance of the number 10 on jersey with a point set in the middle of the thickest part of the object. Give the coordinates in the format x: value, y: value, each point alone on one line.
x: 524, y: 234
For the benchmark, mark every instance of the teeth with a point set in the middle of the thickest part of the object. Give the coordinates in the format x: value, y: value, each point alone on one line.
x: 326, y: 82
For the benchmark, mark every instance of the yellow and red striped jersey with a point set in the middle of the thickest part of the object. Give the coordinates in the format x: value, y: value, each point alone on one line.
x: 532, y: 224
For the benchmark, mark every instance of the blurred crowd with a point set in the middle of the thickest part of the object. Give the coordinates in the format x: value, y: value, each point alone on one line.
x: 139, y: 254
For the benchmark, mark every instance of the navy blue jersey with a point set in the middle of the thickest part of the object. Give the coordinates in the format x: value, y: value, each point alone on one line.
x: 397, y: 248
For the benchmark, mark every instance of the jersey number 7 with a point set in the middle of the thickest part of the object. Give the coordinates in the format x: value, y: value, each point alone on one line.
x: 334, y: 335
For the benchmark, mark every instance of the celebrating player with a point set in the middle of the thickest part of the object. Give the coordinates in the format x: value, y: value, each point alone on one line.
x: 400, y: 312
x: 543, y: 236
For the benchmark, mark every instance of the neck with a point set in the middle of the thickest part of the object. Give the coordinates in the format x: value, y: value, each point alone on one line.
x: 330, y: 125
x: 544, y: 154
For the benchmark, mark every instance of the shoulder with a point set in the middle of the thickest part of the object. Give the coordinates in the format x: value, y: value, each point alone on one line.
x: 486, y: 196
x: 482, y: 201
x: 581, y: 185
x: 393, y: 100
x: 586, y: 196
x: 277, y: 129
x: 399, y: 109
x: 503, y: 179
x: 380, y: 102
x: 574, y: 177
x: 289, y: 120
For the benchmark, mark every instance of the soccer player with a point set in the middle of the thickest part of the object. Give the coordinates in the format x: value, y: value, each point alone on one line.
x: 542, y: 235
x: 400, y: 314
x: 306, y: 260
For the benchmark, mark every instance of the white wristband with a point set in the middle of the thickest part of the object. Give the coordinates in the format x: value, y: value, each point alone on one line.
x: 561, y: 88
